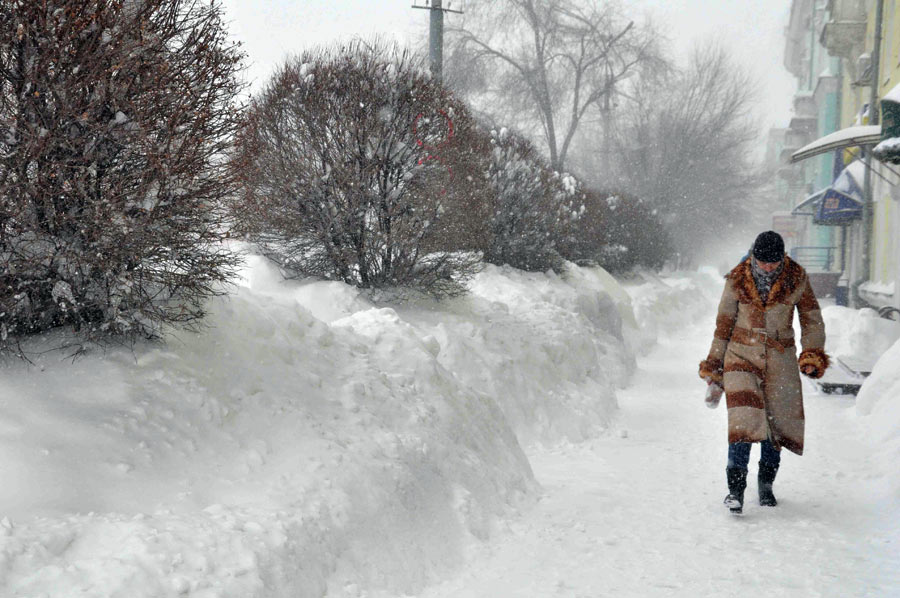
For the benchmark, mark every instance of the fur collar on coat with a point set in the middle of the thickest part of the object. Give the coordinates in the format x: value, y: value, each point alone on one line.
x: 792, y: 275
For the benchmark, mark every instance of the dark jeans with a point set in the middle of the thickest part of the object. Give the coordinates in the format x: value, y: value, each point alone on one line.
x: 739, y: 454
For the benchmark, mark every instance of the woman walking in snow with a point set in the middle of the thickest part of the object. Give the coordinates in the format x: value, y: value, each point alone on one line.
x: 753, y: 357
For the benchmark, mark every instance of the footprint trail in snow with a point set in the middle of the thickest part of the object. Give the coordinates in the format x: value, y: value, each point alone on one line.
x: 638, y: 512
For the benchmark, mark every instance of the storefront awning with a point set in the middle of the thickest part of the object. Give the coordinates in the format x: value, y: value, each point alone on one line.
x: 841, y: 203
x: 849, y: 137
x: 808, y: 206
x: 837, y: 208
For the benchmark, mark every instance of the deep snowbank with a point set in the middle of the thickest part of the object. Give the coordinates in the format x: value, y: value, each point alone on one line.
x: 878, y: 404
x: 307, y: 443
x: 549, y: 350
x: 860, y: 335
x: 666, y: 306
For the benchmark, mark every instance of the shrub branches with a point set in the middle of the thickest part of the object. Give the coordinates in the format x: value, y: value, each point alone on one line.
x: 357, y: 166
x: 534, y: 209
x: 114, y: 119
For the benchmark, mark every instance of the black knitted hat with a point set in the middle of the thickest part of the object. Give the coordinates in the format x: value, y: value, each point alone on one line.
x: 768, y: 247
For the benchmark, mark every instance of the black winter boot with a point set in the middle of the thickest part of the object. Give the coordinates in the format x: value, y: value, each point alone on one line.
x: 737, y: 483
x: 765, y: 479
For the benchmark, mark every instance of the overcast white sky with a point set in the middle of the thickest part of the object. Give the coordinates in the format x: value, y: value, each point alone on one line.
x: 754, y: 29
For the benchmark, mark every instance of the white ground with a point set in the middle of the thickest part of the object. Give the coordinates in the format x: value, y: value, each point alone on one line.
x: 638, y: 512
x: 308, y: 443
x: 313, y: 444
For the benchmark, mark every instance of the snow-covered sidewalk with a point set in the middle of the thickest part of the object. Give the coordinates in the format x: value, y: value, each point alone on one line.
x: 638, y: 512
x: 311, y: 443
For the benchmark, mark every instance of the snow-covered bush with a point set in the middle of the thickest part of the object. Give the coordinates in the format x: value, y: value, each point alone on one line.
x: 534, y: 208
x: 619, y: 232
x: 113, y: 120
x: 357, y: 166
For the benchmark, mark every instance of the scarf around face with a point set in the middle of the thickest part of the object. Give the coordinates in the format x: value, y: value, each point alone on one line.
x: 764, y: 280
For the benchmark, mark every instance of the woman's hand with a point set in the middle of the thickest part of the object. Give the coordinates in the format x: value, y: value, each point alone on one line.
x: 713, y: 395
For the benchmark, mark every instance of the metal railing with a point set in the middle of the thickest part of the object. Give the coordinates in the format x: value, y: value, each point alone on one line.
x: 819, y: 259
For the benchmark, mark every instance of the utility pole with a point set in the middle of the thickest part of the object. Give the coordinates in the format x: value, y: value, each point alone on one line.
x: 436, y: 34
x: 607, y: 124
x: 868, y: 187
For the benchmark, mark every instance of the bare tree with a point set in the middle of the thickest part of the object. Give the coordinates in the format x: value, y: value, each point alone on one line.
x: 688, y: 151
x: 114, y: 117
x: 551, y: 60
x: 357, y: 166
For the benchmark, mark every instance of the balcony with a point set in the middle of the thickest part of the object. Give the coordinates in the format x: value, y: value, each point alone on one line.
x: 843, y: 38
x: 789, y: 173
x: 804, y: 125
x: 807, y: 126
x: 847, y: 10
x: 805, y: 104
x: 797, y: 138
x: 845, y: 34
x: 785, y: 157
x: 794, y: 139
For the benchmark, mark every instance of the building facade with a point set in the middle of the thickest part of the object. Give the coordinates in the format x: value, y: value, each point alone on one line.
x: 849, y: 35
x: 829, y: 49
x: 817, y: 111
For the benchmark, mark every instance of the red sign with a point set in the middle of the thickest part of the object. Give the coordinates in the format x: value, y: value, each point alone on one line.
x: 785, y: 225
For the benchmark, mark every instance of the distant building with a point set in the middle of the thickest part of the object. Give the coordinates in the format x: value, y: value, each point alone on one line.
x: 817, y: 112
x: 783, y: 190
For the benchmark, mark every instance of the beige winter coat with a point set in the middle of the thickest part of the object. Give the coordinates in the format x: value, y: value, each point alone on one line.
x: 753, y: 353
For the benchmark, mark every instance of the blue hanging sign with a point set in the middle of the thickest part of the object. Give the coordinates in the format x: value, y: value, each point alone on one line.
x: 837, y: 208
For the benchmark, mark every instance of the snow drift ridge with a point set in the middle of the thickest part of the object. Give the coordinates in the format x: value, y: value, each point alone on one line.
x: 272, y: 454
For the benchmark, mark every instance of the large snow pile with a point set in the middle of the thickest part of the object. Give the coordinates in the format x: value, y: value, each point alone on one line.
x: 857, y: 333
x: 862, y: 337
x: 549, y: 350
x: 307, y: 442
x: 668, y: 306
x: 878, y: 402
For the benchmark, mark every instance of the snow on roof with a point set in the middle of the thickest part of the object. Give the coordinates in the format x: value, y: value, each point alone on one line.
x: 880, y: 287
x: 849, y: 137
x: 888, y: 150
x: 894, y: 94
x: 851, y: 180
